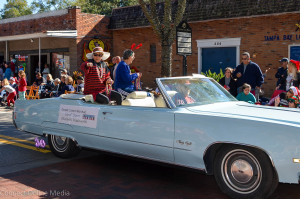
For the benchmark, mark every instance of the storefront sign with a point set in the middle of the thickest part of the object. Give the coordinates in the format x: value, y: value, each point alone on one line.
x: 21, y: 58
x: 283, y: 37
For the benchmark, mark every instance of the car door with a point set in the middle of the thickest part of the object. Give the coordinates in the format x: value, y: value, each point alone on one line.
x: 138, y: 131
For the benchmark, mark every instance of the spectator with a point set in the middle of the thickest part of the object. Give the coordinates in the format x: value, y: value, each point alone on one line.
x: 246, y: 95
x: 22, y: 85
x: 124, y: 78
x: 62, y: 84
x: 1, y: 73
x: 10, y: 90
x: 281, y: 73
x: 293, y: 102
x: 12, y: 82
x: 291, y: 76
x: 97, y: 78
x: 116, y: 60
x: 80, y: 85
x: 64, y: 72
x: 7, y: 73
x: 13, y: 66
x: 39, y: 79
x: 228, y: 82
x: 54, y: 92
x: 46, y: 71
x: 68, y: 86
x: 248, y: 72
x: 48, y: 86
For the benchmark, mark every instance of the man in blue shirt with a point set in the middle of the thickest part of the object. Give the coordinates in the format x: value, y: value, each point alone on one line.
x: 248, y: 72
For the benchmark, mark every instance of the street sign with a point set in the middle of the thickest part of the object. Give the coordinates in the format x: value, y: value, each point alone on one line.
x: 183, y: 39
x: 184, y: 42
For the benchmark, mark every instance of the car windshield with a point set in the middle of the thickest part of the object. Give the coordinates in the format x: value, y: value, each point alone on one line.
x: 195, y: 91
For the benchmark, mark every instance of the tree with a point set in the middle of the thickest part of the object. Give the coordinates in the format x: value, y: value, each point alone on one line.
x: 15, y: 8
x: 165, y: 28
x: 48, y: 5
x: 103, y: 7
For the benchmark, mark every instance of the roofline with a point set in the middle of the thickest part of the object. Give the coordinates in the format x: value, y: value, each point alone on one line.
x: 218, y: 19
x: 35, y: 16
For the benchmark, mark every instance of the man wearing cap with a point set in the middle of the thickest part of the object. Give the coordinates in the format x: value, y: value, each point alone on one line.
x: 97, y: 79
x: 281, y: 73
x: 248, y: 72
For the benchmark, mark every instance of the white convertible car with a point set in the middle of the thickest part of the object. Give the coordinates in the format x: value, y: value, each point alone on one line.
x: 194, y: 123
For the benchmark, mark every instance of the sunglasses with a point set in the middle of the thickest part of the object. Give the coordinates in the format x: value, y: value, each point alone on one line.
x: 98, y: 55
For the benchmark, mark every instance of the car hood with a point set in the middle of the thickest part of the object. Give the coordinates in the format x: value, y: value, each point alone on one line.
x: 250, y: 111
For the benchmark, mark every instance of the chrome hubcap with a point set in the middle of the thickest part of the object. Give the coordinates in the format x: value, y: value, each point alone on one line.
x: 241, y: 171
x: 59, y: 143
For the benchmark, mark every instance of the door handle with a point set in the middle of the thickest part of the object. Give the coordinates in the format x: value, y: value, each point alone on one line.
x: 104, y: 113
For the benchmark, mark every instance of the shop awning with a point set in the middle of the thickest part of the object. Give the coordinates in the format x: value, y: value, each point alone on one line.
x: 52, y: 33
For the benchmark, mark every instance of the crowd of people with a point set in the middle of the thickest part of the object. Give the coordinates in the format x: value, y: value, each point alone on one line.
x: 14, y: 85
x: 112, y: 84
x: 246, y: 80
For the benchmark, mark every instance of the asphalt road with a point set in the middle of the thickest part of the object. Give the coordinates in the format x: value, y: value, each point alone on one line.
x: 29, y: 173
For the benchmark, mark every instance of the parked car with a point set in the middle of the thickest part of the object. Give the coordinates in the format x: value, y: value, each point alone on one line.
x: 194, y: 123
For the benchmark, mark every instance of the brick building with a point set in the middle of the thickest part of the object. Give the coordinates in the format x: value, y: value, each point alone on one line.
x: 221, y: 31
x: 56, y: 38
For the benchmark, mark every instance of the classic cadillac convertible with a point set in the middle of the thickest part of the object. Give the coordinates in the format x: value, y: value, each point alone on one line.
x: 194, y: 123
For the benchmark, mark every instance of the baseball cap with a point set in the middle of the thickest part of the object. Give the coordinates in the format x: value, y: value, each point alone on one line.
x: 284, y: 60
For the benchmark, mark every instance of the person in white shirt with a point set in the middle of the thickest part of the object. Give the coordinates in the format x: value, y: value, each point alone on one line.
x: 46, y: 71
x: 10, y: 90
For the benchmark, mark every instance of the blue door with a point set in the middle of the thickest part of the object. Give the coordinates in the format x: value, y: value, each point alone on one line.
x: 216, y: 58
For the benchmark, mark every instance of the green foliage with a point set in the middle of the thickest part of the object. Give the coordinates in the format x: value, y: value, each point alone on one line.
x: 48, y: 5
x: 103, y: 7
x: 214, y: 75
x: 15, y: 8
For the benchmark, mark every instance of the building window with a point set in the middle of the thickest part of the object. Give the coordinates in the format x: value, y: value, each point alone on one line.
x: 294, y: 52
x: 153, y: 53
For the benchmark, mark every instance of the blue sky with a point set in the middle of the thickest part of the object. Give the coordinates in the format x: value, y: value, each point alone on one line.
x: 2, y: 2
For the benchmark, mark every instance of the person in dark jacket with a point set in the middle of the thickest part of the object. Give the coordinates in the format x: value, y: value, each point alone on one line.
x: 282, y: 73
x: 228, y: 82
x: 248, y: 72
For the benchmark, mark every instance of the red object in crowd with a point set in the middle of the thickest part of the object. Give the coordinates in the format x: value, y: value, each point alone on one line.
x: 297, y: 63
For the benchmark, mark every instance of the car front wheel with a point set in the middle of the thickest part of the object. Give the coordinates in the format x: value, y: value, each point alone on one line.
x: 244, y: 173
x: 63, y: 147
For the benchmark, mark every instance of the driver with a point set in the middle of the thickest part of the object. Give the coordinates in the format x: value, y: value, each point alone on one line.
x: 183, y: 94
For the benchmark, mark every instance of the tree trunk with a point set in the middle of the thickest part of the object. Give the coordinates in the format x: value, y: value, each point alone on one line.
x: 166, y: 65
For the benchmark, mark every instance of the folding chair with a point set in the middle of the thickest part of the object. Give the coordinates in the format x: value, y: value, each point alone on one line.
x: 34, y: 94
x: 28, y: 92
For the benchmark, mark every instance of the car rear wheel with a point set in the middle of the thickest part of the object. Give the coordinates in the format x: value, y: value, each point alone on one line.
x: 244, y: 173
x: 63, y: 147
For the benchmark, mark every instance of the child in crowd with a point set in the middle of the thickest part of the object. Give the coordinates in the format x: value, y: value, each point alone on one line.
x: 80, y: 85
x: 246, y: 96
x: 22, y: 85
x: 10, y: 90
x: 68, y: 86
x: 54, y: 92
